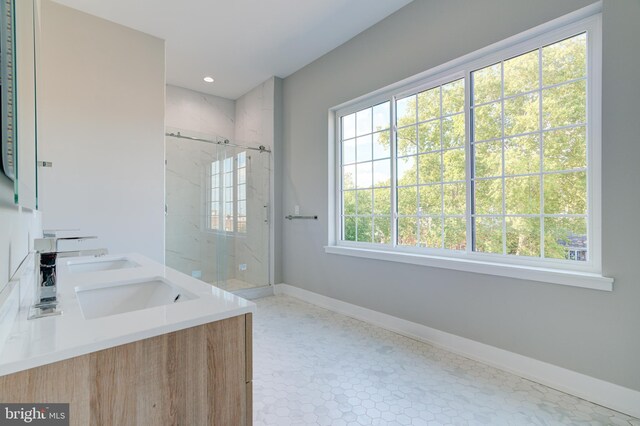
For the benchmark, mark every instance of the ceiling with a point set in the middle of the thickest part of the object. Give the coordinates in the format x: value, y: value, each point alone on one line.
x: 241, y: 43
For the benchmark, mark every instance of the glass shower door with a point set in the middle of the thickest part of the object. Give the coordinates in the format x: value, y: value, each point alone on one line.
x: 217, y: 224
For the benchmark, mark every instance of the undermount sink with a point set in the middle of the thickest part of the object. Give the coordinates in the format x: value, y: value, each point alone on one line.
x: 98, y: 264
x: 107, y: 299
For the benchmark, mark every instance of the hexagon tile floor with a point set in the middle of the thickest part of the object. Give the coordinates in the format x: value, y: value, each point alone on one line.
x: 316, y: 367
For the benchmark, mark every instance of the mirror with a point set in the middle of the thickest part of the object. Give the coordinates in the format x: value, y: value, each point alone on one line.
x: 7, y: 86
x: 18, y: 53
x: 26, y: 56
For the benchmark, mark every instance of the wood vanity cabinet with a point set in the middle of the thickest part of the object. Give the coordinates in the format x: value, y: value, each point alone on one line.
x: 197, y: 376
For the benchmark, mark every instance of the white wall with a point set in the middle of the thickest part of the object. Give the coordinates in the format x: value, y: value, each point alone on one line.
x: 101, y: 122
x: 592, y: 332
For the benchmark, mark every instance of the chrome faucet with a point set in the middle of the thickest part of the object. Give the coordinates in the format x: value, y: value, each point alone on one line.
x: 46, y: 256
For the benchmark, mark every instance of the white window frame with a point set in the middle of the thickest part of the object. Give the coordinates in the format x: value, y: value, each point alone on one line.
x: 581, y: 274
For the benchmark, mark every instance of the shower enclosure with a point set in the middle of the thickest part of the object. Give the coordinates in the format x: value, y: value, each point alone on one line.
x: 218, y: 210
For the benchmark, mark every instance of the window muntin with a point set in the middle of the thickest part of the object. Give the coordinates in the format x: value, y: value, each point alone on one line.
x: 510, y: 219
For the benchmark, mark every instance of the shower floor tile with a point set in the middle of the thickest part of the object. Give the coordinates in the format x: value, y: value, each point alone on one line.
x: 316, y: 367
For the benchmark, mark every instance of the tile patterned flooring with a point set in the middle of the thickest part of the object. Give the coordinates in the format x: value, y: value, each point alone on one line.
x: 316, y: 367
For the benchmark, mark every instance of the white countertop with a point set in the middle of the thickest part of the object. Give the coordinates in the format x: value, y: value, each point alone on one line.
x: 32, y: 343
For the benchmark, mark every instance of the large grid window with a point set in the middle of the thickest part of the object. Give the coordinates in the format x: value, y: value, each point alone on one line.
x: 492, y: 162
x: 227, y: 194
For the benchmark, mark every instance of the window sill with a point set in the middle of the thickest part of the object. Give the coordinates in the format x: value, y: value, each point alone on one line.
x: 553, y: 276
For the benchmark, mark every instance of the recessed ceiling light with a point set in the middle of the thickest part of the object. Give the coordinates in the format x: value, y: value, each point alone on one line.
x: 208, y: 79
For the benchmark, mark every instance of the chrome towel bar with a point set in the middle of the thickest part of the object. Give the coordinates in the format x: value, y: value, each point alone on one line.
x: 291, y: 217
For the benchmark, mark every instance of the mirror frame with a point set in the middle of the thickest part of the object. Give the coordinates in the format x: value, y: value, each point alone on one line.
x: 7, y: 91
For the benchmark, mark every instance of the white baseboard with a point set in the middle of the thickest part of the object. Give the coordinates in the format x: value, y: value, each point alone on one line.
x: 598, y: 391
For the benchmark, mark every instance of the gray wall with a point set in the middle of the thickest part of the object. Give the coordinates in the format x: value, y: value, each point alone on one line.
x: 592, y: 332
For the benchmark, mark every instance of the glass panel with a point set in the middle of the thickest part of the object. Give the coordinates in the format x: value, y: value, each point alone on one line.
x: 364, y: 178
x: 381, y: 145
x: 382, y: 201
x: 228, y: 165
x: 431, y: 232
x: 429, y: 168
x: 349, y: 202
x: 455, y: 233
x: 564, y: 105
x: 565, y: 238
x: 242, y: 192
x: 488, y: 196
x: 349, y: 151
x: 429, y: 104
x: 349, y: 126
x: 453, y: 131
x: 565, y: 60
x: 523, y: 236
x: 407, y: 172
x: 522, y: 195
x: 522, y: 155
x: 488, y: 159
x: 407, y: 140
x: 348, y: 177
x: 407, y: 201
x: 242, y: 176
x: 363, y: 122
x: 228, y: 217
x: 431, y: 200
x: 242, y: 159
x: 455, y: 198
x: 349, y: 229
x: 453, y: 165
x: 382, y: 229
x: 565, y: 149
x: 381, y: 116
x: 406, y: 111
x: 521, y: 74
x: 242, y: 224
x: 487, y: 121
x: 565, y: 193
x: 429, y: 136
x: 382, y: 173
x: 453, y: 97
x: 364, y: 229
x: 364, y: 148
x: 487, y: 84
x: 521, y: 114
x: 407, y: 231
x: 488, y: 234
x: 365, y: 202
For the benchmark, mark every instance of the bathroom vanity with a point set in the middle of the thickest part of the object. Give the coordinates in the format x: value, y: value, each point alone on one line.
x: 137, y: 344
